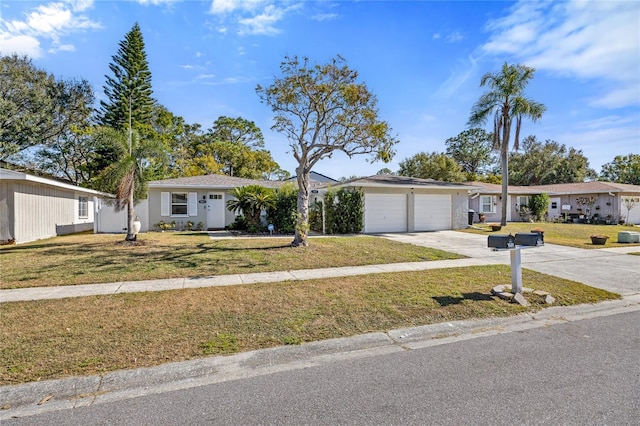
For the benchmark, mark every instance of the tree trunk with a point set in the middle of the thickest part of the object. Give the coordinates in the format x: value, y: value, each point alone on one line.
x: 302, y: 219
x: 504, y: 164
x: 130, y: 217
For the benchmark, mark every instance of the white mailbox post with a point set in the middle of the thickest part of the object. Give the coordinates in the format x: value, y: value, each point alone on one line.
x: 514, y: 245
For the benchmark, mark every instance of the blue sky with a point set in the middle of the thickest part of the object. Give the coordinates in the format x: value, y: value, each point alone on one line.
x: 422, y: 59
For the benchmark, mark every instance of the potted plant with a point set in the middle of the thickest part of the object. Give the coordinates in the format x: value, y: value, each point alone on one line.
x: 599, y: 240
x: 481, y: 217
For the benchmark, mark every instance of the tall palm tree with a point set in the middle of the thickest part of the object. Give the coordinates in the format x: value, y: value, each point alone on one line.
x: 506, y: 101
x: 126, y: 178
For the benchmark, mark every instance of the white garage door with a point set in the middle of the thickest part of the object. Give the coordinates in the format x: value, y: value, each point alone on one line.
x: 385, y: 213
x: 432, y: 212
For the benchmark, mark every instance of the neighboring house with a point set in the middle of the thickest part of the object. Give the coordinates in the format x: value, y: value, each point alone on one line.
x: 404, y: 204
x: 486, y: 199
x: 316, y: 179
x: 33, y: 207
x: 593, y: 201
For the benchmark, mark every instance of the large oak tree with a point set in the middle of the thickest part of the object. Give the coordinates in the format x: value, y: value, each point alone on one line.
x: 548, y: 163
x: 35, y: 108
x: 323, y: 109
x: 623, y: 169
x: 437, y: 166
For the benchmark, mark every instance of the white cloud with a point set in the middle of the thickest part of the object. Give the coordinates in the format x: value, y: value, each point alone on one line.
x: 262, y: 24
x: 52, y: 22
x: 227, y: 6
x: 250, y: 17
x: 21, y: 44
x: 436, y: 36
x: 454, y: 36
x: 63, y: 48
x: 593, y: 40
x: 325, y: 17
x: 156, y: 2
x: 458, y: 77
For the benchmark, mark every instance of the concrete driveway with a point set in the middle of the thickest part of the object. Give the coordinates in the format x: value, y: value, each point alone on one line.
x: 610, y: 269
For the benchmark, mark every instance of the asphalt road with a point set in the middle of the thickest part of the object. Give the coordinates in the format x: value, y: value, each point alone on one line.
x: 583, y: 373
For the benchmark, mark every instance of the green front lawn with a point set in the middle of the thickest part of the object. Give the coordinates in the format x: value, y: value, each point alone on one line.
x: 566, y: 234
x: 89, y: 259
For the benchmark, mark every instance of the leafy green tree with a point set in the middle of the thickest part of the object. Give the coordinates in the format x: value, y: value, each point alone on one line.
x: 128, y: 90
x: 437, y: 166
x: 385, y: 171
x: 323, y: 109
x: 73, y: 156
x: 506, y: 101
x: 128, y: 175
x: 548, y: 163
x: 251, y: 201
x: 538, y: 204
x: 472, y: 150
x: 623, y: 169
x: 35, y: 108
x: 233, y: 146
x: 239, y: 131
x: 282, y: 214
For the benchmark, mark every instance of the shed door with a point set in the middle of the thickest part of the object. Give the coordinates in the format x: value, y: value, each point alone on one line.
x: 385, y: 213
x: 554, y: 210
x: 432, y: 212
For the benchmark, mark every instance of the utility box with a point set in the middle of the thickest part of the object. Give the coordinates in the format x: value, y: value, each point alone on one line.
x: 502, y: 241
x: 628, y: 237
x: 534, y: 239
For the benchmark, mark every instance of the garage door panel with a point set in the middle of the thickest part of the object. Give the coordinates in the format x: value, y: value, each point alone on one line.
x: 432, y: 212
x: 385, y: 213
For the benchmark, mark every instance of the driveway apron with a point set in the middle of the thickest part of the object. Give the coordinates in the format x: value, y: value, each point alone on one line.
x: 609, y: 269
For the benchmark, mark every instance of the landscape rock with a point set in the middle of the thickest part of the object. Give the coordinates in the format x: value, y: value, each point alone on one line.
x: 519, y: 298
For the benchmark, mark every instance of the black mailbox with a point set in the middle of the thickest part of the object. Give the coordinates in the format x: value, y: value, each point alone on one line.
x: 533, y: 239
x: 502, y: 241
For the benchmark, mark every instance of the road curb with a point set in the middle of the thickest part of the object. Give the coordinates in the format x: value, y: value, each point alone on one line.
x: 52, y: 395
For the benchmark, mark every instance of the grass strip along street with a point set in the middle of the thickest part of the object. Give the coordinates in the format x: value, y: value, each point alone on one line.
x: 91, y: 335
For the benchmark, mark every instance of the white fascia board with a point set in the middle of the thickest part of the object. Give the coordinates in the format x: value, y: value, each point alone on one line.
x: 13, y: 175
x: 190, y: 186
x: 405, y: 186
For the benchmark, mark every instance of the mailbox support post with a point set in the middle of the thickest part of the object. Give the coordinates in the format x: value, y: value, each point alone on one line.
x: 516, y: 270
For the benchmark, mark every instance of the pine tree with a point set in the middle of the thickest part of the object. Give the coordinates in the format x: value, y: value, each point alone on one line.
x: 130, y: 106
x: 130, y: 85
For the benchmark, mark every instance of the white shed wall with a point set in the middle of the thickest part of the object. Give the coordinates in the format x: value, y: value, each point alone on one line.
x: 42, y: 211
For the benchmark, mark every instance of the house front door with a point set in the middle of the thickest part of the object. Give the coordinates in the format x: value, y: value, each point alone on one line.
x: 215, y: 210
